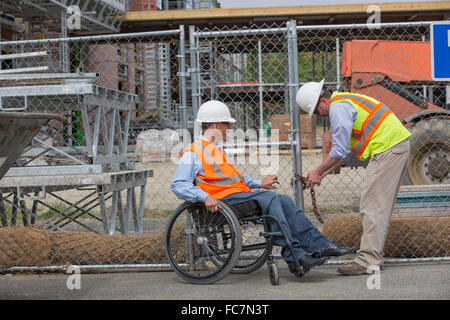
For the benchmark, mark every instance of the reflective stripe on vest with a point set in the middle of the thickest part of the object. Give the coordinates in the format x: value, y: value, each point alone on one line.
x: 225, y: 180
x: 221, y: 178
x: 377, y: 112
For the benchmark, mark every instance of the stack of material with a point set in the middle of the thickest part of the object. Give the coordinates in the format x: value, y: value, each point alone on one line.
x: 155, y: 145
x: 282, y: 122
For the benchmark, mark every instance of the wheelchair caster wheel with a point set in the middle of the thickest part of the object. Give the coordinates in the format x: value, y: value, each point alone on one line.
x: 273, y: 274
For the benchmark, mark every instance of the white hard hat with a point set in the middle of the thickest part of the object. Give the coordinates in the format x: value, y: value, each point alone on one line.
x: 214, y: 111
x: 308, y: 96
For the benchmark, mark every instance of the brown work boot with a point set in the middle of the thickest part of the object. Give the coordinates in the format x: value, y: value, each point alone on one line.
x: 352, y: 269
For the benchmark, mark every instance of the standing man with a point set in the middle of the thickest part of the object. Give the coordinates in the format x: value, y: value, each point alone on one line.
x: 204, y: 174
x: 367, y: 128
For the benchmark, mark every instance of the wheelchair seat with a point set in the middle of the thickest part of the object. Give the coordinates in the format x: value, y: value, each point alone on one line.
x: 246, y: 209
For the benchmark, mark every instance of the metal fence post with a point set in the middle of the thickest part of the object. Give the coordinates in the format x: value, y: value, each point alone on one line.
x: 295, y: 113
x: 183, y: 75
x: 194, y: 72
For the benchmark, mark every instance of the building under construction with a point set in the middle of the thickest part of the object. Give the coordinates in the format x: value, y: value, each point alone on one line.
x: 107, y: 70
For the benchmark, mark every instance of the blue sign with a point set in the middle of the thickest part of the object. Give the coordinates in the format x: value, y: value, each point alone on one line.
x: 440, y: 51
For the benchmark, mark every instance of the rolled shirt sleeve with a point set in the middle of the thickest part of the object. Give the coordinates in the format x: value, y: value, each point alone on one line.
x: 252, y: 183
x: 342, y: 116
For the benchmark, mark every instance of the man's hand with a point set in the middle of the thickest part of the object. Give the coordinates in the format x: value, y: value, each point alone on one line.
x: 212, y: 204
x: 313, y: 178
x: 269, y: 181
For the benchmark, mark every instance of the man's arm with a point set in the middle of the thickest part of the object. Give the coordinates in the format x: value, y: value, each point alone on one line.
x: 252, y: 183
x: 328, y: 165
x: 268, y: 182
x: 342, y: 116
x: 183, y: 180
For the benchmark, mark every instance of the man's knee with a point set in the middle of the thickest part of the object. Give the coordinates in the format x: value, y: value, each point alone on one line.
x: 285, y: 199
x: 270, y: 195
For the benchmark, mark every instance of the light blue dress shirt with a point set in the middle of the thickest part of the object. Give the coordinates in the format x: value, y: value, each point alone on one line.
x: 183, y: 180
x: 342, y: 116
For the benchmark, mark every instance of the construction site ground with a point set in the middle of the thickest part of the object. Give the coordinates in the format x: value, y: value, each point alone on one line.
x: 397, y: 281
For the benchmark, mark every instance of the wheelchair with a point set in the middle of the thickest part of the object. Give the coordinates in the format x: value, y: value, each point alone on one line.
x: 203, y: 247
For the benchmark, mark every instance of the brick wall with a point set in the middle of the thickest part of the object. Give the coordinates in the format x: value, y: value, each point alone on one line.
x: 142, y: 5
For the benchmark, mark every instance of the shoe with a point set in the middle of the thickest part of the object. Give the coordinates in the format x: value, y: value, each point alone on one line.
x: 297, y: 272
x: 307, y: 262
x: 334, y: 250
x: 352, y: 269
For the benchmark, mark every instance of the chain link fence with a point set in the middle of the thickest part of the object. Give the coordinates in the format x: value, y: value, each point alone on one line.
x: 95, y: 185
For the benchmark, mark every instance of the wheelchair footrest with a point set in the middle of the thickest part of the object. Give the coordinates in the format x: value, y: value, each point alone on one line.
x: 264, y: 234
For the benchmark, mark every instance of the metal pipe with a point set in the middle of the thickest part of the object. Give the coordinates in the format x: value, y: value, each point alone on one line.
x: 259, y: 144
x: 93, y: 38
x: 195, y: 82
x: 261, y: 115
x: 112, y: 267
x: 252, y: 32
x: 295, y: 113
x: 338, y: 64
x: 59, y: 151
x: 265, y: 31
x: 394, y: 260
x: 183, y: 75
x: 144, y: 267
x: 364, y: 25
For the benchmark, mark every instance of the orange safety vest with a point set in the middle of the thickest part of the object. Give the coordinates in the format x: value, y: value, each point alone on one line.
x: 221, y: 179
x: 371, y: 114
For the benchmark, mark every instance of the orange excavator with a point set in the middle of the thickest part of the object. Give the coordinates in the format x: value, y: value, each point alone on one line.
x: 398, y: 73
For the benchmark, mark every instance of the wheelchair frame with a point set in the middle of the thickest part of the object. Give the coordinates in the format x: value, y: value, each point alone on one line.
x: 213, y: 243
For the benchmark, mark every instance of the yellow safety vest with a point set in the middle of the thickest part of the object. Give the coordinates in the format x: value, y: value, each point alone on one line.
x: 376, y: 129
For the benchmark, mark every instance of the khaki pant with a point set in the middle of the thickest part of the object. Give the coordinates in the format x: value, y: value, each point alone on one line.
x: 384, y: 174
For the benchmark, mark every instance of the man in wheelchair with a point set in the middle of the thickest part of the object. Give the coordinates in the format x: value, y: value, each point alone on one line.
x: 204, y: 174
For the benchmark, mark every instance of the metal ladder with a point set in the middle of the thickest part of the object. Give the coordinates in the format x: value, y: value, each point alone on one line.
x: 164, y: 79
x: 151, y: 83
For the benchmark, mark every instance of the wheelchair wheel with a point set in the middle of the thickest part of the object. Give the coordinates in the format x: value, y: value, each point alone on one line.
x: 273, y: 273
x: 202, y: 247
x: 254, y: 250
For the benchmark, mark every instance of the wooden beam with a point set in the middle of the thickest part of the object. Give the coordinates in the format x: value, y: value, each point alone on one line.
x: 136, y: 16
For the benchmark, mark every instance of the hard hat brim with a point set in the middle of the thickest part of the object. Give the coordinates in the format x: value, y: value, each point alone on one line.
x: 231, y: 120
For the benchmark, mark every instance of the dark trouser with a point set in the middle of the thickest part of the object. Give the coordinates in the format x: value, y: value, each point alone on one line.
x: 303, y: 235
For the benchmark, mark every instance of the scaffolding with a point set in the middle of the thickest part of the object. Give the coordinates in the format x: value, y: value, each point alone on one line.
x: 48, y: 18
x: 87, y: 154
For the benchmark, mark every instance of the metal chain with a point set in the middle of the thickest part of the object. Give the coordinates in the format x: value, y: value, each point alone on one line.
x: 313, y: 196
